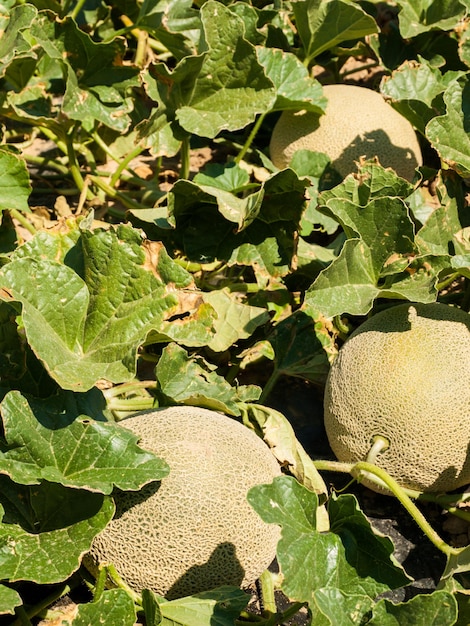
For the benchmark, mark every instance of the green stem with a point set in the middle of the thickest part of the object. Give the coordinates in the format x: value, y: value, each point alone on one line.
x: 447, y: 281
x: 100, y: 583
x: 358, y: 469
x: 77, y: 8
x: 119, y: 390
x: 118, y: 581
x: 116, y: 195
x: 46, y: 602
x: 73, y: 163
x: 267, y: 592
x: 269, y: 386
x: 23, y: 619
x: 123, y: 165
x: 140, y: 53
x: 251, y: 136
x: 185, y: 157
x: 19, y: 217
x: 366, y: 66
x: 46, y: 163
x: 53, y: 137
x: 131, y: 404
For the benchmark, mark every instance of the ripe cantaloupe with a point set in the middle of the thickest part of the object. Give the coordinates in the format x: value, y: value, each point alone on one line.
x: 194, y: 530
x: 357, y: 122
x: 405, y: 375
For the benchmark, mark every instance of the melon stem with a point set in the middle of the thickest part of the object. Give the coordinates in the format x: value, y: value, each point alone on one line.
x: 373, y: 472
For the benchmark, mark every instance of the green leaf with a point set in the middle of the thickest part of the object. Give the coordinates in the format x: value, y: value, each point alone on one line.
x: 89, y: 326
x: 9, y: 600
x: 416, y: 90
x: 46, y: 529
x: 188, y: 380
x: 324, y: 24
x: 242, y: 211
x: 351, y: 284
x: 174, y: 23
x: 96, y: 83
x: 14, y: 182
x: 348, y: 284
x: 113, y: 608
x: 234, y: 320
x: 280, y: 436
x: 229, y: 177
x: 421, y: 16
x: 435, y: 609
x: 384, y: 225
x: 295, y: 89
x: 151, y: 606
x: 231, y: 88
x: 267, y: 243
x: 318, y: 567
x: 46, y: 443
x: 13, y: 43
x: 218, y: 607
x: 371, y: 182
x: 302, y: 345
x: 449, y: 134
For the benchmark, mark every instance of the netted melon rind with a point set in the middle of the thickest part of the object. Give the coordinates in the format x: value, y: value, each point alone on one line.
x: 405, y: 375
x: 195, y: 530
x: 357, y: 122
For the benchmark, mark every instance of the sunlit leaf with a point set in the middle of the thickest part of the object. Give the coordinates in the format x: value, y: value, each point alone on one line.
x: 113, y: 608
x: 86, y: 323
x: 231, y: 88
x: 44, y: 442
x: 14, y: 182
x: 321, y: 566
x: 46, y: 529
x: 323, y: 25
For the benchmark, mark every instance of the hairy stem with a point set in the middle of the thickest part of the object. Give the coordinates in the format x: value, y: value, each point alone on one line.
x: 269, y: 386
x: 19, y: 217
x: 251, y: 136
x: 358, y: 469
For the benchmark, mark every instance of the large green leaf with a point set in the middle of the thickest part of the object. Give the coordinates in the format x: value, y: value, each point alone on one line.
x: 86, y: 322
x: 416, y: 90
x: 46, y: 529
x: 323, y: 24
x: 351, y: 284
x: 420, y: 16
x: 13, y: 44
x: 218, y: 607
x: 449, y: 134
x: 435, y: 609
x: 44, y: 442
x: 9, y: 600
x: 96, y: 85
x: 295, y: 88
x: 302, y: 346
x: 327, y: 569
x: 14, y: 182
x: 231, y: 88
x: 113, y: 608
x: 189, y: 380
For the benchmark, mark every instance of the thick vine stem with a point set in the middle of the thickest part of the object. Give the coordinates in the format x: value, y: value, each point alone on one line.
x: 358, y: 469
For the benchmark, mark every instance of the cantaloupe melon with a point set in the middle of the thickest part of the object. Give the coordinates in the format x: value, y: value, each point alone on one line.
x: 357, y: 122
x: 194, y: 530
x: 405, y: 375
